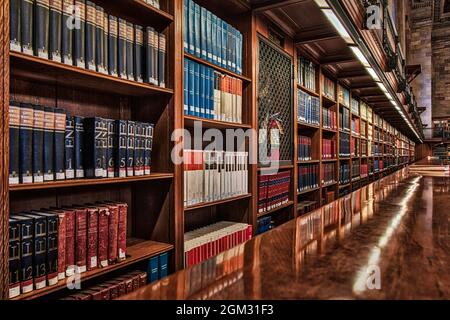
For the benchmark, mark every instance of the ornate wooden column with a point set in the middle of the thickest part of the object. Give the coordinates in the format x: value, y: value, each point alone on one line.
x: 4, y: 147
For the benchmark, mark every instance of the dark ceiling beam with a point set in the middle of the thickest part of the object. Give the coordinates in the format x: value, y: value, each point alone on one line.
x: 364, y: 85
x: 303, y: 38
x: 371, y: 95
x: 274, y: 4
x: 353, y: 74
x: 337, y: 59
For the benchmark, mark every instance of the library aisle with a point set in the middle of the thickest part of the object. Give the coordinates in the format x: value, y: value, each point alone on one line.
x: 388, y: 240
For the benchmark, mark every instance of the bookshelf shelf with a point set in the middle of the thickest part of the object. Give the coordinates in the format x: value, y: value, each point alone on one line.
x: 329, y: 184
x: 88, y: 182
x: 307, y: 191
x: 281, y: 167
x: 217, y: 68
x: 138, y: 250
x: 327, y: 101
x: 308, y: 91
x: 303, y: 125
x: 329, y: 160
x: 189, y: 121
x: 286, y: 205
x: 51, y: 72
x: 307, y: 161
x: 343, y: 186
x: 215, y: 203
x: 328, y: 130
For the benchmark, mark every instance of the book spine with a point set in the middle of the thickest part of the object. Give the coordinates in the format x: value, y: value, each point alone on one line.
x: 192, y: 26
x: 79, y: 146
x: 163, y: 265
x: 203, y: 35
x: 100, y: 39
x: 122, y: 231
x: 41, y: 36
x: 149, y: 55
x: 162, y: 60
x: 61, y: 245
x: 81, y: 239
x: 60, y: 127
x: 92, y: 238
x: 67, y: 32
x: 26, y: 26
x: 185, y: 25
x: 79, y: 35
x: 55, y: 30
x: 26, y: 143
x: 70, y: 242
x: 148, y: 148
x: 52, y: 250
x: 138, y: 151
x: 38, y: 144
x: 209, y: 51
x: 129, y: 49
x: 26, y: 256
x: 105, y: 41
x: 90, y: 35
x: 113, y: 233
x: 14, y: 147
x: 191, y: 88
x: 113, y: 32
x: 14, y: 29
x: 121, y: 151
x: 131, y: 128
x: 138, y: 53
x: 197, y: 30
x: 122, y: 49
x: 94, y: 148
x: 69, y: 147
x: 103, y: 231
x: 49, y: 143
x: 112, y: 147
x: 14, y: 258
x: 154, y: 52
x: 40, y: 252
x: 186, y: 86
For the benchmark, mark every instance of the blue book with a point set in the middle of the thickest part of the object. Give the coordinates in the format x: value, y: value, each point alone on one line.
x: 224, y: 44
x: 203, y: 34
x: 186, y: 26
x: 191, y: 88
x: 219, y: 41
x: 207, y: 97
x: 197, y: 30
x: 163, y: 265
x: 202, y: 92
x: 26, y: 143
x: 191, y: 33
x: 79, y: 146
x: 233, y: 48
x: 209, y: 54
x: 229, y: 47
x: 152, y: 269
x: 214, y: 38
x: 197, y: 89
x: 239, y: 53
x: 186, y: 87
x: 211, y: 91
x: 59, y: 142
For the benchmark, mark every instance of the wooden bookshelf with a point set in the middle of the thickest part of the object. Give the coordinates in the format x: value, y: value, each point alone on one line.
x: 137, y: 251
x: 274, y: 210
x: 211, y: 124
x: 217, y: 202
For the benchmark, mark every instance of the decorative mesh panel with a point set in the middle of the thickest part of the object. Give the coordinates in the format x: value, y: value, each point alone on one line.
x: 274, y: 101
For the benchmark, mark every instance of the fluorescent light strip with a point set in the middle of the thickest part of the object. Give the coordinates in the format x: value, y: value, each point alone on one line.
x: 322, y: 3
x: 373, y: 74
x: 358, y: 53
x: 382, y: 87
x: 338, y: 25
x: 389, y: 96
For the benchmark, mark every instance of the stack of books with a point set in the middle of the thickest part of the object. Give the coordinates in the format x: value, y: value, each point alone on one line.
x: 328, y: 149
x: 308, y: 177
x: 304, y: 148
x: 264, y: 224
x: 328, y: 173
x: 273, y: 190
x: 307, y: 74
x: 329, y: 119
x: 308, y: 108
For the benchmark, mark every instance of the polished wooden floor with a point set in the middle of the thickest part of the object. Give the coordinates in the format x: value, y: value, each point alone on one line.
x: 388, y: 240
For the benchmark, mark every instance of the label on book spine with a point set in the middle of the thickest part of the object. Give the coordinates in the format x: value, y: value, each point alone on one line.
x: 14, y: 29
x: 14, y: 258
x: 92, y: 229
x: 60, y: 128
x: 139, y: 53
x: 38, y: 144
x: 14, y: 132
x: 67, y: 32
x: 79, y: 34
x: 49, y: 143
x: 112, y: 147
x: 131, y: 127
x: 162, y: 60
x: 79, y: 146
x: 26, y: 143
x: 55, y: 30
x: 121, y: 142
x: 90, y: 35
x: 81, y: 239
x: 103, y: 231
x: 70, y: 241
x: 26, y: 252
x: 69, y: 147
x: 129, y: 49
x: 112, y: 46
x: 100, y: 40
x: 122, y: 231
x: 26, y: 26
x: 41, y: 36
x: 122, y: 50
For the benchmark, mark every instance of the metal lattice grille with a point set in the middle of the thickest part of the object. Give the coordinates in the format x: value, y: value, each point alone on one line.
x: 274, y: 99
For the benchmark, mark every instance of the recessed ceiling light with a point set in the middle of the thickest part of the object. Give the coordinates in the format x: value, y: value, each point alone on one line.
x: 337, y: 25
x: 361, y: 57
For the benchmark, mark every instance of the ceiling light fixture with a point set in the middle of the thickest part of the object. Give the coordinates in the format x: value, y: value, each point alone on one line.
x: 337, y: 25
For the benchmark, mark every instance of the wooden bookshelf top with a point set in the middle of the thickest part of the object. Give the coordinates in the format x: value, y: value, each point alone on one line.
x: 303, y: 125
x: 307, y: 161
x: 87, y: 182
x: 217, y: 68
x: 137, y: 250
x: 47, y: 71
x: 286, y: 205
x: 328, y: 101
x: 210, y: 123
x: 307, y: 191
x: 308, y: 91
x: 217, y: 202
x: 280, y: 167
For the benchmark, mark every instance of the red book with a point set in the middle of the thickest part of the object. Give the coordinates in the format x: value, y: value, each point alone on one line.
x: 70, y: 241
x: 113, y: 232
x: 92, y: 238
x: 81, y: 238
x: 103, y: 232
x: 122, y: 231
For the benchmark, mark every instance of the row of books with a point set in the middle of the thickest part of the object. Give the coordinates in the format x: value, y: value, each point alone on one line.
x: 154, y: 3
x: 344, y: 145
x: 112, y: 289
x: 308, y: 108
x: 307, y: 74
x: 363, y: 128
x: 264, y: 224
x: 214, y: 175
x: 210, y: 94
x: 329, y: 149
x: 93, y: 39
x: 329, y: 119
x: 210, y: 38
x: 47, y: 245
x: 207, y: 242
x: 49, y: 144
x: 308, y: 177
x: 273, y: 190
x: 328, y: 173
x: 303, y: 207
x: 355, y: 127
x: 354, y: 147
x: 344, y: 173
x: 356, y: 169
x: 364, y: 147
x: 304, y: 148
x: 329, y: 88
x: 344, y: 119
x: 355, y: 107
x: 344, y: 97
